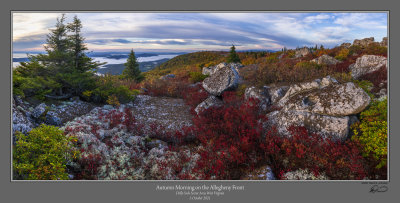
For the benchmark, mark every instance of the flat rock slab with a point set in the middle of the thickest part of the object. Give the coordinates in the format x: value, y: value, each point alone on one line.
x: 171, y: 113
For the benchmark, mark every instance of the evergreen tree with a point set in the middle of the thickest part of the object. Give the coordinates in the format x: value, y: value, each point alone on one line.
x: 233, y: 56
x: 132, y: 68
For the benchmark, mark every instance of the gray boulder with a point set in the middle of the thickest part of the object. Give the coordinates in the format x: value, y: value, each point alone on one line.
x: 363, y: 42
x: 166, y: 77
x: 211, y: 101
x: 384, y: 42
x: 224, y: 78
x: 53, y: 119
x: 39, y: 110
x: 20, y: 120
x: 302, y: 52
x: 260, y: 94
x: 323, y: 106
x: 212, y: 69
x: 335, y: 128
x: 345, y: 45
x: 276, y: 93
x: 325, y: 59
x: 367, y: 64
x: 334, y: 100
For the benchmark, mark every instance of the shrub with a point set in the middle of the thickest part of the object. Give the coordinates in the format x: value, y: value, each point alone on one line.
x: 303, y: 150
x: 113, y: 100
x: 108, y: 86
x: 43, y: 154
x: 229, y: 137
x: 197, y: 77
x: 371, y: 131
x: 342, y: 55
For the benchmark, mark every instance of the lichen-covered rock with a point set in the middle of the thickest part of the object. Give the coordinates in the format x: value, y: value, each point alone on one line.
x: 333, y: 100
x: 223, y: 79
x: 335, y: 128
x: 367, y: 64
x: 260, y: 94
x: 303, y: 174
x: 277, y: 93
x: 363, y: 42
x: 166, y: 77
x: 211, y: 101
x: 212, y: 69
x: 304, y: 87
x: 20, y: 120
x: 39, y: 110
x: 384, y: 42
x: 322, y: 106
x: 53, y: 119
x: 302, y: 52
x: 325, y: 59
x: 345, y: 45
x: 262, y: 173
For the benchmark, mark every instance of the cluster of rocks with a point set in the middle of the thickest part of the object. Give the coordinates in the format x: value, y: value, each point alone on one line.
x: 26, y: 116
x: 300, y: 52
x: 323, y: 106
x: 367, y: 41
x: 222, y: 77
x: 122, y: 154
x: 325, y: 59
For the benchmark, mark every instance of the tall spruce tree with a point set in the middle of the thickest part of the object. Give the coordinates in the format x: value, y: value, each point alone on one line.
x: 233, y: 56
x: 132, y: 68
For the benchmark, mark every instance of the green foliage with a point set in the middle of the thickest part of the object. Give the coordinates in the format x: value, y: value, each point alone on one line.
x: 43, y: 154
x: 111, y: 85
x: 366, y: 86
x: 342, y: 54
x: 132, y: 68
x: 272, y: 59
x: 371, y: 131
x: 197, y: 77
x: 233, y: 56
x: 307, y: 65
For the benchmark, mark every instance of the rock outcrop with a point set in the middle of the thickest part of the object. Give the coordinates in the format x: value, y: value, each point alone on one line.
x: 384, y: 42
x: 363, y: 42
x: 325, y: 59
x: 260, y: 94
x: 39, y: 110
x: 211, y: 101
x: 345, y: 45
x: 21, y: 121
x: 224, y: 78
x: 322, y: 106
x: 367, y: 64
x: 167, y: 77
x: 212, y: 69
x: 302, y: 52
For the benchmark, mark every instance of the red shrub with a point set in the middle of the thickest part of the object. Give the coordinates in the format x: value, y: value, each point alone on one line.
x: 377, y: 77
x: 194, y: 96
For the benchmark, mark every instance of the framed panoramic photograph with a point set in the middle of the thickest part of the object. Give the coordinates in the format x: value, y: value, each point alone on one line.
x: 200, y: 104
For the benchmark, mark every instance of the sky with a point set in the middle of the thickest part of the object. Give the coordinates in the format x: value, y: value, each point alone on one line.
x: 186, y: 31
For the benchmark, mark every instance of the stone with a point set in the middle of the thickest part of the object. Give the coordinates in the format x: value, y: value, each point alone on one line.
x: 302, y: 52
x: 384, y: 42
x: 262, y: 173
x: 223, y: 79
x: 20, y: 122
x: 363, y: 42
x: 335, y: 128
x: 212, y: 69
x: 260, y: 94
x: 345, y: 45
x: 167, y: 77
x: 303, y: 174
x: 334, y: 100
x: 367, y: 64
x: 52, y: 119
x: 211, y: 101
x: 325, y: 59
x: 39, y: 110
x: 276, y: 93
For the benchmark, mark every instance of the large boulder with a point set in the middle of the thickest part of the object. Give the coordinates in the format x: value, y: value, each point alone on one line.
x: 334, y: 100
x: 345, y: 45
x: 21, y: 121
x: 39, y: 110
x: 260, y: 94
x: 363, y: 42
x: 53, y: 119
x: 302, y: 52
x: 325, y: 59
x: 212, y: 69
x: 211, y: 101
x: 323, y: 106
x: 384, y: 42
x: 367, y: 64
x: 224, y: 78
x: 276, y: 93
